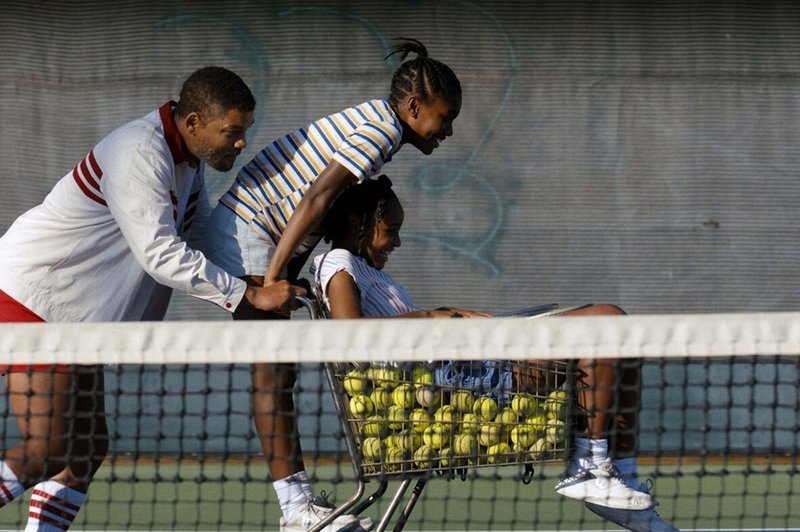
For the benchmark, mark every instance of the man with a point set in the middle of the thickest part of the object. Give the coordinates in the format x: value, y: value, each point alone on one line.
x: 109, y: 243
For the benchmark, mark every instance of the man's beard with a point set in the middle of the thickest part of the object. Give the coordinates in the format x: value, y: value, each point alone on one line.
x: 217, y: 160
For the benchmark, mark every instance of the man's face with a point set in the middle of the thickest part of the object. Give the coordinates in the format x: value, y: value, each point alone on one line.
x: 218, y: 141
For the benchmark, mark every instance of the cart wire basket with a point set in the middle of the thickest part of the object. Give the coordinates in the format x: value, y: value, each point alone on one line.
x: 440, y: 419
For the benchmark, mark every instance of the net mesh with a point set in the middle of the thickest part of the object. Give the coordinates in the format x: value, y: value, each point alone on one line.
x: 717, y: 434
x: 640, y: 154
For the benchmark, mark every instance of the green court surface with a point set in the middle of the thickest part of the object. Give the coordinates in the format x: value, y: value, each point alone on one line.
x: 216, y: 495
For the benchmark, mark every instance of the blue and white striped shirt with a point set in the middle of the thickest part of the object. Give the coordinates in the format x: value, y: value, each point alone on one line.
x: 268, y: 189
x: 381, y: 295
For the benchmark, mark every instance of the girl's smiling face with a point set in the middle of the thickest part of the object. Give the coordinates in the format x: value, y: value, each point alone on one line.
x: 428, y: 124
x: 384, y: 235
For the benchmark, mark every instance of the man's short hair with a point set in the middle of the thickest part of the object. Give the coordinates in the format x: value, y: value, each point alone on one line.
x: 213, y: 91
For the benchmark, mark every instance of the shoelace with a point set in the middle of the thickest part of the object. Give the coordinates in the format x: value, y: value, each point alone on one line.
x: 610, y: 469
x: 322, y: 500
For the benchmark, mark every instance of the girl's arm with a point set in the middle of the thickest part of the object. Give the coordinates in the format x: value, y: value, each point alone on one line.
x: 345, y: 303
x: 309, y: 213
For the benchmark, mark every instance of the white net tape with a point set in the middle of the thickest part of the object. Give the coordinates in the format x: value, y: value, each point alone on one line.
x: 674, y: 335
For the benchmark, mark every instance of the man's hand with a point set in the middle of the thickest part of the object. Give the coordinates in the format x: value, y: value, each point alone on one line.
x: 278, y: 297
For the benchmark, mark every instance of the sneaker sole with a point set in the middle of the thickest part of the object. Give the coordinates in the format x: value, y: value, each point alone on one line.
x: 583, y: 489
x: 634, y: 520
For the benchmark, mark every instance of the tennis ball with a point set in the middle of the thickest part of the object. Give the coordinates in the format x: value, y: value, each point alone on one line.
x: 499, y: 453
x: 556, y: 404
x: 393, y: 459
x: 384, y: 376
x: 524, y: 404
x: 555, y: 431
x: 371, y: 448
x: 507, y: 416
x: 396, y: 416
x: 408, y: 440
x: 446, y: 414
x: 425, y: 457
x: 490, y: 434
x: 538, y: 422
x: 469, y: 424
x: 355, y: 382
x: 446, y: 457
x: 403, y: 395
x: 427, y: 395
x: 538, y: 448
x: 462, y: 400
x: 435, y: 436
x: 390, y: 440
x: 374, y: 426
x: 485, y: 408
x: 381, y: 398
x: 360, y: 406
x: 523, y: 435
x: 420, y: 420
x: 465, y: 445
x: 422, y: 375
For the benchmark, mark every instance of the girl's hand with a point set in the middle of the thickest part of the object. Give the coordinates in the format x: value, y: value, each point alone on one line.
x: 453, y: 312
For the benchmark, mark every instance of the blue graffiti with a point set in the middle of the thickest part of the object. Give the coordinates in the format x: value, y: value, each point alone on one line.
x: 249, y: 51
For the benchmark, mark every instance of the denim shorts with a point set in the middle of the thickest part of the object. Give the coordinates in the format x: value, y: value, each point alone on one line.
x: 233, y: 246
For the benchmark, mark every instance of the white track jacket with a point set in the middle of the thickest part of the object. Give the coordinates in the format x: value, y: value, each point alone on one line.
x: 108, y: 243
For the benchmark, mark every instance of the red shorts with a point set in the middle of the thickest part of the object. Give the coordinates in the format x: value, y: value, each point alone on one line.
x: 12, y: 311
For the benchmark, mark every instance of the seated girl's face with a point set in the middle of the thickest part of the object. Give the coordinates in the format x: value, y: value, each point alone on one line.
x: 385, y: 235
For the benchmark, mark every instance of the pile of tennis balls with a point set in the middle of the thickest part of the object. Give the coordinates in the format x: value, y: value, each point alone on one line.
x: 404, y: 421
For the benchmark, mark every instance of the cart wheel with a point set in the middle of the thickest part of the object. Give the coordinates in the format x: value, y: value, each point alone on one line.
x: 527, y: 476
x: 462, y: 473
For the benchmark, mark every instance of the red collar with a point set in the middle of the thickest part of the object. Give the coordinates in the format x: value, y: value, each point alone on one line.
x: 173, y: 137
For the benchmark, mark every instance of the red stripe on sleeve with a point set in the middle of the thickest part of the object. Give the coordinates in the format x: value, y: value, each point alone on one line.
x: 95, y: 167
x: 88, y: 177
x: 89, y: 194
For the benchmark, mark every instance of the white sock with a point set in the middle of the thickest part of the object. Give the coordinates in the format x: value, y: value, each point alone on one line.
x: 599, y: 450
x: 53, y: 507
x: 10, y: 487
x: 589, y: 453
x: 293, y: 492
x: 629, y: 470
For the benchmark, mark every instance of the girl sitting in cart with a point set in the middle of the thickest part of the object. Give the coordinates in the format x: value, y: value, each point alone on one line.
x: 363, y: 226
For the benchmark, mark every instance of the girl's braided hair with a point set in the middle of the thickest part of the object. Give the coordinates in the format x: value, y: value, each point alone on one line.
x: 367, y: 201
x: 422, y: 76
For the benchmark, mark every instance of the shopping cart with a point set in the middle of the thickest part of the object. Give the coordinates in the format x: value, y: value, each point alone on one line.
x: 412, y: 423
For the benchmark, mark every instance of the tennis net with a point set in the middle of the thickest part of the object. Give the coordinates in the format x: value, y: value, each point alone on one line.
x: 717, y: 431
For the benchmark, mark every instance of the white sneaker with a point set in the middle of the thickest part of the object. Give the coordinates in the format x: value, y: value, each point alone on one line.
x: 316, y: 510
x: 635, y: 520
x: 603, y: 485
x: 365, y: 521
x: 310, y: 514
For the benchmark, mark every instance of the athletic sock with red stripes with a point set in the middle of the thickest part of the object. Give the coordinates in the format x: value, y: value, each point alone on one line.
x: 10, y: 487
x: 53, y: 507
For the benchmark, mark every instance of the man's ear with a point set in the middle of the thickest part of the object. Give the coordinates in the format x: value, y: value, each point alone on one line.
x: 192, y: 121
